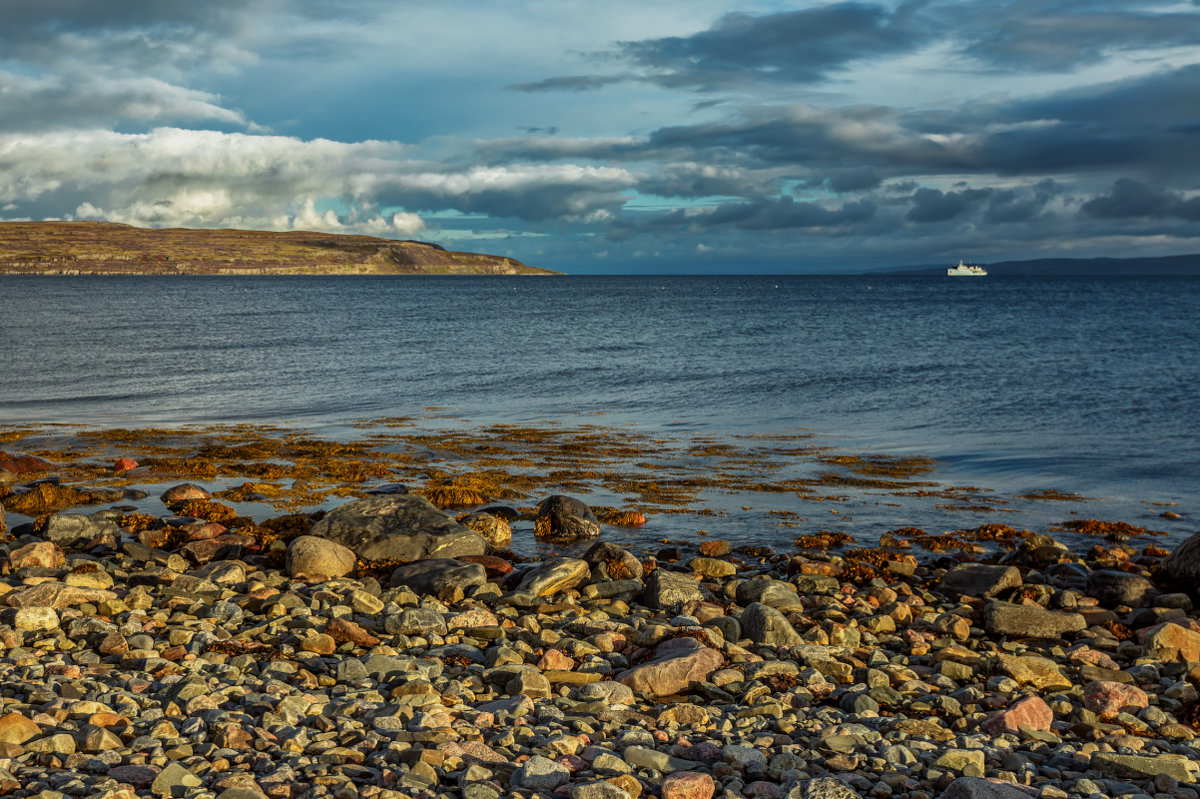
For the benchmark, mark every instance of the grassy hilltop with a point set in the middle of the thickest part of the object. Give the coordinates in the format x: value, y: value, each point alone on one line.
x: 108, y: 248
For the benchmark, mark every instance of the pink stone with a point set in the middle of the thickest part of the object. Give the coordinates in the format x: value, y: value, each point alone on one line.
x: 184, y: 493
x: 688, y: 785
x: 1029, y: 712
x: 759, y: 788
x: 677, y: 663
x: 1107, y: 698
x: 1095, y: 657
x: 554, y: 659
x: 41, y: 555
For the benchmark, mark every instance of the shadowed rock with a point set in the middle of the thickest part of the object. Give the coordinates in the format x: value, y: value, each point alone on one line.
x: 1182, y: 566
x: 397, y: 526
x: 562, y: 518
x: 1004, y: 618
x: 978, y: 579
x: 1114, y: 588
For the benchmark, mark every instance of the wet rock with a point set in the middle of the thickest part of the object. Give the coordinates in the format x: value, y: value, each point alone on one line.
x: 402, y: 527
x: 494, y: 530
x: 563, y: 518
x: 978, y: 580
x: 763, y: 624
x: 184, y: 492
x: 677, y: 664
x: 440, y: 577
x: 319, y: 558
x: 616, y: 562
x: 1112, y: 588
x: 20, y: 464
x: 1003, y: 618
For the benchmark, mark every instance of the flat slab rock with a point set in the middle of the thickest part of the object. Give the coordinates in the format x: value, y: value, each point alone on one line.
x: 978, y: 580
x: 677, y: 664
x: 1005, y: 618
x: 398, y: 526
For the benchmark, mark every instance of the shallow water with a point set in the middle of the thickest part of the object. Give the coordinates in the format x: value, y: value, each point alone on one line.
x: 1014, y: 384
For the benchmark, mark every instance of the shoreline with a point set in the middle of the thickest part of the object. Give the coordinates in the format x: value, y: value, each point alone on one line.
x: 175, y: 646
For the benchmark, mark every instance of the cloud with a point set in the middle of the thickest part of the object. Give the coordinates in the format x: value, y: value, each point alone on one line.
x: 569, y: 83
x: 1130, y: 199
x: 770, y: 214
x: 56, y: 102
x: 794, y: 46
x: 931, y: 205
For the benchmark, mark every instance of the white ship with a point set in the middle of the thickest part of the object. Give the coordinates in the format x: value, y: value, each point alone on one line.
x: 965, y: 269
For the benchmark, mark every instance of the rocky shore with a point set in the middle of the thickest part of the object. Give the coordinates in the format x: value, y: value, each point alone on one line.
x: 387, y: 648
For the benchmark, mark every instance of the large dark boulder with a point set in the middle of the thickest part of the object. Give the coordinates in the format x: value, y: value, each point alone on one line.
x: 1112, y: 588
x: 561, y: 518
x: 978, y: 580
x: 397, y: 526
x: 439, y: 576
x: 1182, y: 566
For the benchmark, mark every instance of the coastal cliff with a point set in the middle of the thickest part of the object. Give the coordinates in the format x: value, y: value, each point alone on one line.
x: 114, y: 249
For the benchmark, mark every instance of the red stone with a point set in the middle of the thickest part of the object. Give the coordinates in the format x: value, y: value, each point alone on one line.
x: 1107, y: 698
x: 1029, y: 712
x: 124, y: 465
x: 39, y: 555
x: 688, y: 785
x: 17, y: 463
x: 492, y: 565
x: 342, y: 631
x: 556, y: 660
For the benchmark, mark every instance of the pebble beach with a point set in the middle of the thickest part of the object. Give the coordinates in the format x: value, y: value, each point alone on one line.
x: 388, y: 647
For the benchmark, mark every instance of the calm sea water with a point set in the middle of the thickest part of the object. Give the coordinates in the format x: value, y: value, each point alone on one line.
x: 1080, y: 384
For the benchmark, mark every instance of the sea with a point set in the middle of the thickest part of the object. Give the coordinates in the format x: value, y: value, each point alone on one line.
x: 1084, y: 385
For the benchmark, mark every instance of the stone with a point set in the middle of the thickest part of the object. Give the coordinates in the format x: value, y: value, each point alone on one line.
x: 16, y: 729
x: 977, y: 788
x: 1143, y: 767
x: 494, y: 530
x: 688, y: 785
x: 1108, y: 699
x: 1171, y: 642
x: 978, y: 580
x: 174, y: 780
x: 540, y: 773
x: 1182, y: 566
x: 440, y: 577
x: 828, y: 788
x: 184, y: 492
x: 58, y: 744
x: 645, y: 757
x: 71, y: 529
x: 763, y: 624
x: 617, y: 562
x: 345, y: 631
x: 670, y: 591
x: 563, y: 518
x: 319, y: 558
x: 1031, y: 712
x: 677, y: 663
x: 712, y: 567
x: 18, y: 463
x: 402, y: 527
x: 1024, y: 621
x: 1042, y: 673
x: 416, y: 621
x: 36, y: 619
x: 554, y: 576
x: 38, y: 555
x: 122, y: 465
x: 599, y: 789
x: 55, y: 595
x: 1112, y: 588
x: 771, y: 592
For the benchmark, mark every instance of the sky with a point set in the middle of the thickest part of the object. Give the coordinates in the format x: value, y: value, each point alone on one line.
x: 674, y: 136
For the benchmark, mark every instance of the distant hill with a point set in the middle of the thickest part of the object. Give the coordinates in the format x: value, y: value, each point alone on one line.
x: 113, y: 249
x: 1164, y: 265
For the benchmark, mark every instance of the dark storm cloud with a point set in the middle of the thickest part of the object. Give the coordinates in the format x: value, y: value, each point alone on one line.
x: 569, y: 83
x: 931, y: 205
x: 1130, y: 199
x: 769, y: 214
x: 1059, y: 35
x: 793, y: 46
